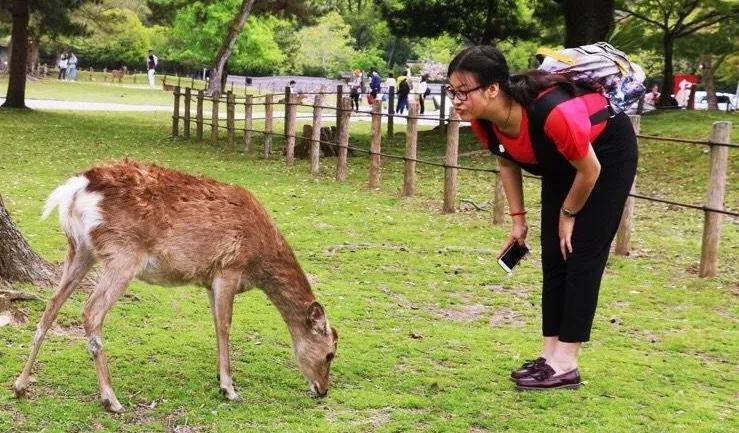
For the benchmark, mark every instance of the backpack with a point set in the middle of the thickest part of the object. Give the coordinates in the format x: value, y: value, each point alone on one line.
x: 599, y: 66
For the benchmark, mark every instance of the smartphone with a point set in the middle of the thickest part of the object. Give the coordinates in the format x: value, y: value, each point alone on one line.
x: 511, y: 256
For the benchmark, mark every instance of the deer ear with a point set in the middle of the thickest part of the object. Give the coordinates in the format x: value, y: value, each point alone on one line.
x: 317, y: 318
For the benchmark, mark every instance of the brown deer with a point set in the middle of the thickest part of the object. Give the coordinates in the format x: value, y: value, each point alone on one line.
x: 166, y: 227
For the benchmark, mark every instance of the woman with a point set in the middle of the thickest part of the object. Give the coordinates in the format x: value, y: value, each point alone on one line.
x: 423, y: 91
x: 587, y: 158
x: 354, y: 87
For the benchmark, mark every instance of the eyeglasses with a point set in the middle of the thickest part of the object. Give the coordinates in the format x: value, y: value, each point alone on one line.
x: 460, y: 94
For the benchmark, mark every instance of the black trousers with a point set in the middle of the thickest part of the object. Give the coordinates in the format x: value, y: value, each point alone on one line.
x: 570, y: 288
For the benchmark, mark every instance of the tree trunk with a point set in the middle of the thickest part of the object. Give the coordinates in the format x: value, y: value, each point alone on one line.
x: 667, y: 72
x: 18, y: 262
x: 587, y: 21
x: 16, y: 95
x: 707, y: 63
x: 32, y: 57
x: 234, y: 29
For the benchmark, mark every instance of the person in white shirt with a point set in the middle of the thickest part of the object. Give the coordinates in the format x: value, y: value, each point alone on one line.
x: 62, y: 65
x: 423, y: 91
x: 151, y: 65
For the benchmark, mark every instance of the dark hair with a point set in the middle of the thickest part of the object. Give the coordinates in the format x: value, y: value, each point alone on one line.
x: 489, y: 66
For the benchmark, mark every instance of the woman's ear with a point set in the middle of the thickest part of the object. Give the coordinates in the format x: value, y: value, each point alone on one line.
x: 492, y: 91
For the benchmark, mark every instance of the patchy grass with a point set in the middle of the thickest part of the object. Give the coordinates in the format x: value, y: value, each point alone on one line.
x: 388, y: 270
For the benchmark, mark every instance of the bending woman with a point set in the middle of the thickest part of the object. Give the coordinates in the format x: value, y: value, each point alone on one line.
x: 549, y: 126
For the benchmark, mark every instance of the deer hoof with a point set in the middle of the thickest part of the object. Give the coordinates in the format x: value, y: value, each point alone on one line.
x: 19, y: 388
x: 112, y: 406
x: 231, y: 395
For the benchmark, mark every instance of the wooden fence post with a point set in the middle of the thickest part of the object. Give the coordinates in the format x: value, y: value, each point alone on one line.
x: 290, y: 127
x: 625, y: 227
x: 268, y: 111
x: 450, y: 172
x: 214, y: 119
x: 411, y: 141
x: 248, y: 123
x: 92, y: 71
x: 442, y: 108
x: 315, y: 144
x: 391, y: 112
x: 499, y: 199
x: 230, y: 114
x: 287, y: 110
x: 342, y: 131
x: 199, y: 116
x: 339, y: 102
x: 176, y: 113
x: 376, y: 146
x: 188, y: 97
x: 721, y: 134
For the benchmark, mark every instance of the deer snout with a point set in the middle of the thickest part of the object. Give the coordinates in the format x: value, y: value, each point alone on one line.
x: 316, y: 390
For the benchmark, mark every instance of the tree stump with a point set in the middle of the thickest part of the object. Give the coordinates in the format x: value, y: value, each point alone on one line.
x: 328, y: 136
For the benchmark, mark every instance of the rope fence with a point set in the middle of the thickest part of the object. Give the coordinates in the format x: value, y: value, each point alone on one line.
x: 713, y: 208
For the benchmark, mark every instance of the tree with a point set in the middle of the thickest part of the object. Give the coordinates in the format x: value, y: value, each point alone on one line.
x: 16, y: 95
x: 255, y: 51
x: 675, y: 20
x: 326, y: 48
x: 31, y: 20
x: 234, y: 29
x: 476, y: 21
x: 18, y: 261
x: 587, y: 21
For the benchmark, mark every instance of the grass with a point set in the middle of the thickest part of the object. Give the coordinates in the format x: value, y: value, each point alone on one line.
x: 662, y: 359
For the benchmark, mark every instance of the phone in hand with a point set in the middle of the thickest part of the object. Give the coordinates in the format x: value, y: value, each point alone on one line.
x: 511, y: 256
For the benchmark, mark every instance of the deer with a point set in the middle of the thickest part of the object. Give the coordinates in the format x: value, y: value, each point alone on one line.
x: 166, y: 227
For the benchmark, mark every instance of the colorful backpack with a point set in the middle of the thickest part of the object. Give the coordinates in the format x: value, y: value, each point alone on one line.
x: 599, y: 66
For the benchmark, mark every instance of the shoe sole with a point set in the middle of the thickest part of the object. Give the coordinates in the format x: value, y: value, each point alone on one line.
x: 536, y: 388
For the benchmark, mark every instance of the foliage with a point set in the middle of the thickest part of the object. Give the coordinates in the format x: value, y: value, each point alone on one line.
x: 326, y: 48
x: 256, y: 51
x: 477, y: 21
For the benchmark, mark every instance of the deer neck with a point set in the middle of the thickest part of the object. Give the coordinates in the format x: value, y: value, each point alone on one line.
x: 289, y: 290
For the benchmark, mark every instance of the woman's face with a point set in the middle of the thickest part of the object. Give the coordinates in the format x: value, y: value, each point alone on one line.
x: 471, y: 100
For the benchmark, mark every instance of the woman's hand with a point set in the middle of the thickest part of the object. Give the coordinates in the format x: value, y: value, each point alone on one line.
x: 518, y: 234
x: 566, y: 224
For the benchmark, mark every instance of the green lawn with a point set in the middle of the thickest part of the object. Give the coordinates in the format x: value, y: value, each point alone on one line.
x: 662, y: 359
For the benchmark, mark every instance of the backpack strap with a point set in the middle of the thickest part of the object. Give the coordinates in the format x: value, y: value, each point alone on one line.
x: 496, y: 149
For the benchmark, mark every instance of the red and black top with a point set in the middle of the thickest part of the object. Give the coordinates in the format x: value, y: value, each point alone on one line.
x: 572, y: 123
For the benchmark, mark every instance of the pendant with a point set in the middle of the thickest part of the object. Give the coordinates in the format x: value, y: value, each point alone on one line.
x: 501, y: 148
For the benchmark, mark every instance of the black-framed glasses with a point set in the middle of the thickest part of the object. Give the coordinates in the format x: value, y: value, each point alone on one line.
x: 460, y: 94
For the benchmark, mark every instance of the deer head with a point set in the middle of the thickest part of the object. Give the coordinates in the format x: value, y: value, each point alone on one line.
x: 315, y: 349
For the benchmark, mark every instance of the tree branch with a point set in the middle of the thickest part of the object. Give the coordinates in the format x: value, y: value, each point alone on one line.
x: 643, y: 18
x: 702, y: 22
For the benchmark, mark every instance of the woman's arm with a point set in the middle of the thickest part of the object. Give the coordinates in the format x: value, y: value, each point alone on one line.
x: 510, y: 175
x: 588, y: 170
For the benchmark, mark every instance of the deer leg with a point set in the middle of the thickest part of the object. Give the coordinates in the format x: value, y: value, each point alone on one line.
x: 222, y: 298
x: 78, y: 263
x: 113, y: 282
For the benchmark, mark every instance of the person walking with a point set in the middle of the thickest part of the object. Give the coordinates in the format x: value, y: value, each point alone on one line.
x: 404, y: 89
x: 586, y: 156
x: 422, y: 91
x: 151, y: 64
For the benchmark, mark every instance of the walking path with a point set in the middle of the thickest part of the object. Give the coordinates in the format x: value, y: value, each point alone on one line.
x: 431, y: 118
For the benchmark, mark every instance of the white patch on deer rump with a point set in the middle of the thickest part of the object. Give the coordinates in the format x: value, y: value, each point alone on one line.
x: 79, y: 210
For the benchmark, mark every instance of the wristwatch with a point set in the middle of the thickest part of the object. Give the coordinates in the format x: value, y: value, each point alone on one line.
x: 567, y: 212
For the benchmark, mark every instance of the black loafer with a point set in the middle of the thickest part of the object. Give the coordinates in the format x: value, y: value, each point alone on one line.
x: 528, y: 368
